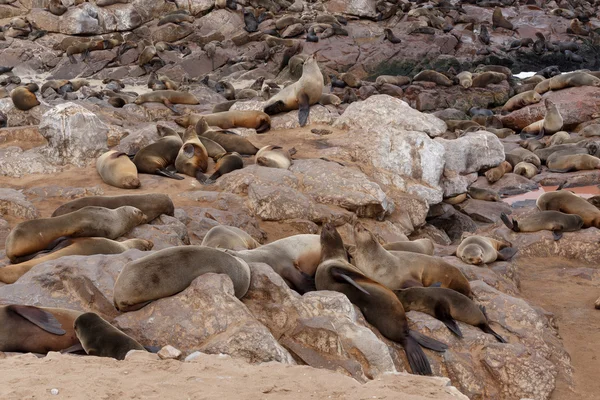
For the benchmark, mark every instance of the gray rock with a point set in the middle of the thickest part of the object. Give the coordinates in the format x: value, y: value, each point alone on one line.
x: 15, y: 162
x: 484, y: 211
x: 14, y: 203
x: 164, y: 231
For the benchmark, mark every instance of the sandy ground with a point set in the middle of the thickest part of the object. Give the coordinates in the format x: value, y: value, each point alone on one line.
x: 208, y: 377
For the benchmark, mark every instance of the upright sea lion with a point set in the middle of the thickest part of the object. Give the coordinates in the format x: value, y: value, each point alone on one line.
x: 29, y: 329
x: 423, y: 246
x: 465, y: 79
x: 300, y: 95
x: 389, y: 35
x: 69, y: 247
x: 478, y: 250
x: 404, y: 269
x: 552, y: 122
x: 168, y: 98
x: 447, y: 306
x: 230, y: 142
x: 23, y: 98
x: 99, y: 338
x: 116, y: 169
x: 483, y: 194
x: 273, y: 157
x: 31, y: 236
x: 224, y: 165
x: 171, y: 270
x: 487, y: 78
x: 522, y: 100
x: 526, y: 169
x: 229, y: 237
x: 246, y: 119
x: 152, y: 205
x: 433, y: 76
x: 157, y: 156
x: 577, y: 28
x: 494, y: 174
x: 498, y: 20
x: 554, y: 221
x: 192, y: 158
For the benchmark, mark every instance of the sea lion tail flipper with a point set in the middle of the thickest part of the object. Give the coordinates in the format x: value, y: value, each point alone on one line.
x: 201, y: 177
x: 483, y: 311
x: 427, y: 342
x: 486, y: 328
x: 442, y: 312
x: 561, y: 186
x: 557, y: 234
x: 38, y: 317
x: 510, y: 224
x: 76, y: 348
x: 299, y: 280
x: 131, y: 156
x: 72, y: 59
x: 170, y: 106
x: 168, y: 174
x: 265, y: 126
x: 411, y: 283
x: 153, y: 349
x: 507, y: 253
x: 303, y: 109
x: 275, y: 108
x: 340, y: 273
x: 419, y: 364
x: 540, y: 134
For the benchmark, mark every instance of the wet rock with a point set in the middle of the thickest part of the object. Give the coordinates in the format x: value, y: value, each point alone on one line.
x: 484, y: 211
x: 224, y: 324
x: 14, y: 203
x: 164, y: 231
x: 509, y: 185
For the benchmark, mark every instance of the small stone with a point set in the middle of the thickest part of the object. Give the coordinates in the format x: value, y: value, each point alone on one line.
x: 169, y: 353
x: 54, y: 391
x: 140, y: 355
x: 195, y: 355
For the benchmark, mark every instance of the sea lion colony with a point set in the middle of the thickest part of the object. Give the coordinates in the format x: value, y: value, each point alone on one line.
x: 202, y: 144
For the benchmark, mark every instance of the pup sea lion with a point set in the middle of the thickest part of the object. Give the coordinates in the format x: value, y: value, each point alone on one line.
x: 570, y: 203
x: 32, y: 329
x: 447, y: 306
x: 300, y: 95
x: 31, y: 236
x: 528, y: 170
x: 478, y: 250
x: 329, y: 98
x: 423, y: 246
x: 157, y: 156
x: 388, y: 34
x: 116, y: 169
x: 224, y: 165
x: 522, y: 100
x: 433, y: 76
x: 465, y: 79
x: 246, y: 119
x: 56, y: 7
x: 168, y: 98
x: 69, y: 247
x: 559, y: 162
x: 483, y: 194
x: 192, y: 158
x: 229, y: 237
x: 23, y: 98
x: 230, y: 142
x: 554, y: 221
x: 273, y: 157
x: 100, y: 338
x: 403, y: 269
x: 494, y: 174
x: 487, y: 78
x: 171, y: 270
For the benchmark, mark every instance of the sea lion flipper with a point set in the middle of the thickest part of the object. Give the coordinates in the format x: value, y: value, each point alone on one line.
x: 435, y: 284
x: 188, y: 150
x: 540, y: 134
x: 299, y: 280
x: 303, y: 109
x: 427, y: 342
x: 76, y: 348
x: 557, y: 234
x: 201, y: 177
x: 507, y: 221
x: 170, y: 106
x: 486, y: 328
x: 275, y: 108
x: 561, y: 186
x: 507, y: 253
x: 416, y: 357
x: 168, y: 174
x: 72, y: 59
x: 411, y: 283
x: 442, y: 312
x: 131, y: 156
x: 38, y: 317
x: 153, y: 349
x: 342, y: 274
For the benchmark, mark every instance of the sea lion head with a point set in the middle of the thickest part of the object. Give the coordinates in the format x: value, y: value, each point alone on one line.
x: 201, y: 126
x: 472, y: 254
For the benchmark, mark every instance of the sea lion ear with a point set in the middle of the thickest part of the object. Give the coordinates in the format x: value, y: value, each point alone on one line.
x: 188, y: 150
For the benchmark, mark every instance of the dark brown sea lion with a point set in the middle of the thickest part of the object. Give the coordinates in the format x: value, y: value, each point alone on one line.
x: 157, y: 156
x: 230, y: 142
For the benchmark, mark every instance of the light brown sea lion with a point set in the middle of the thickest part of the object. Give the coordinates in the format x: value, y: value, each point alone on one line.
x: 225, y: 106
x: 214, y: 149
x: 502, y: 133
x: 32, y: 236
x: 168, y: 98
x: 57, y: 85
x: 433, y: 76
x: 459, y: 124
x: 273, y: 157
x: 392, y: 80
x: 592, y: 130
x: 554, y: 221
x: 520, y: 154
x: 526, y: 169
x: 447, y: 306
x: 498, y: 20
x: 299, y: 95
x: 246, y: 119
x: 422, y: 246
x: 479, y: 250
x: 100, y: 338
x: 378, y: 304
x: 56, y: 7
x: 404, y: 269
x: 229, y: 237
x: 69, y: 247
x: 465, y: 79
x: 559, y: 137
x: 535, y: 79
x: 483, y: 194
x: 329, y: 98
x: 494, y: 174
x: 157, y: 156
x: 23, y: 99
x: 152, y: 204
x: 487, y: 78
x: 532, y: 144
x: 494, y: 68
x: 193, y: 156
x: 570, y: 203
x: 29, y: 329
x: 522, y: 100
x: 294, y: 258
x: 456, y: 199
x: 171, y: 270
x: 577, y: 27
x: 116, y: 169
x: 560, y: 162
x: 230, y: 142
x: 573, y: 79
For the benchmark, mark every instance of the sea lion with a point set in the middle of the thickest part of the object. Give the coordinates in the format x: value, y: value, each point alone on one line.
x: 483, y: 194
x: 552, y: 122
x: 433, y: 76
x: 455, y: 199
x: 577, y: 28
x: 494, y: 68
x: 498, y: 20
x: 175, y: 19
x: 465, y: 79
x: 106, y: 3
x: 560, y: 162
x: 301, y: 94
x: 392, y: 80
x: 152, y: 205
x: 329, y: 98
x: 157, y: 156
x: 56, y: 7
x: 494, y: 174
x: 80, y: 246
x: 520, y: 154
x: 559, y: 137
x: 168, y: 98
x: 29, y: 329
x: 378, y: 304
x: 534, y: 79
x: 388, y: 34
x: 532, y: 144
x: 522, y: 100
x: 246, y: 119
x: 31, y: 236
x: 581, y: 147
x: 214, y: 149
x: 230, y: 142
x: 592, y: 130
x: 294, y: 258
x: 273, y: 157
x: 224, y: 165
x: 116, y: 169
x: 526, y: 169
x: 403, y: 269
x: 145, y: 57
x: 570, y: 203
x: 573, y: 79
x: 229, y: 237
x: 23, y: 98
x: 484, y: 35
x: 542, y: 87
x: 479, y: 250
x: 447, y: 306
x: 487, y: 78
x: 171, y: 270
x: 422, y: 246
x: 459, y: 124
x: 192, y: 158
x: 250, y: 22
x: 554, y: 221
x: 99, y: 338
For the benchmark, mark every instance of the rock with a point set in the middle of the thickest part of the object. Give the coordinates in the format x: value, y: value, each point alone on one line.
x: 14, y: 203
x: 74, y: 134
x: 223, y: 326
x: 15, y: 162
x: 172, y: 32
x: 484, y: 211
x: 164, y: 231
x: 293, y: 31
x: 574, y: 179
x: 26, y: 137
x: 450, y: 113
x: 140, y: 355
x: 68, y: 193
x: 454, y: 224
x: 422, y: 98
x: 509, y: 185
x: 472, y: 152
x: 360, y: 8
x: 169, y: 353
x: 16, y: 117
x: 195, y: 7
x: 318, y: 114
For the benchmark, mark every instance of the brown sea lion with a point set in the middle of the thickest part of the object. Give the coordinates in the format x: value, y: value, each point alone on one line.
x: 168, y: 98
x: 230, y: 142
x: 192, y: 158
x: 520, y: 154
x: 273, y: 157
x: 554, y: 221
x: 245, y: 119
x: 502, y: 133
x: 157, y: 156
x: 69, y: 247
x: 498, y: 20
x: 560, y: 162
x: 171, y: 270
x: 494, y: 174
x: 487, y: 78
x: 456, y: 199
x: 422, y: 246
x: 573, y: 79
x: 392, y: 80
x: 29, y: 329
x: 542, y: 87
x: 214, y: 149
x: 329, y: 98
x: 56, y: 7
x: 116, y: 169
x: 32, y: 236
x: 532, y: 144
x: 483, y: 194
x: 522, y: 100
x: 106, y: 3
x: 23, y: 98
x: 528, y: 170
x: 577, y: 27
x: 224, y: 165
x: 433, y: 76
x: 175, y: 19
x: 479, y: 250
x: 100, y: 338
x: 229, y: 237
x: 570, y: 203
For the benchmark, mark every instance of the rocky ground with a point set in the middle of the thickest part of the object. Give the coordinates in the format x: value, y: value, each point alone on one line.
x: 386, y: 156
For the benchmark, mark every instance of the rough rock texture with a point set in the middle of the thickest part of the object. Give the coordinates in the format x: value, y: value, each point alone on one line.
x: 13, y: 202
x: 15, y: 162
x: 164, y: 231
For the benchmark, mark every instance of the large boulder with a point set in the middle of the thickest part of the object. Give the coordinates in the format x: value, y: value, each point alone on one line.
x: 14, y: 203
x: 359, y: 8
